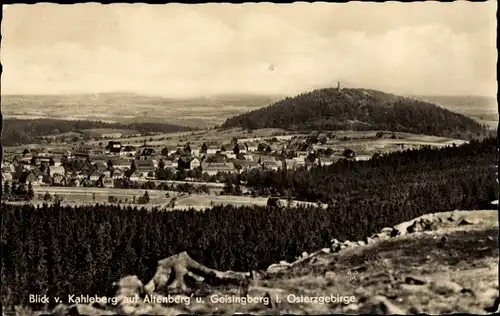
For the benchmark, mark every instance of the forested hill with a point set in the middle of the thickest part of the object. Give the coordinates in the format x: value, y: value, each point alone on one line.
x: 25, y: 131
x: 358, y: 109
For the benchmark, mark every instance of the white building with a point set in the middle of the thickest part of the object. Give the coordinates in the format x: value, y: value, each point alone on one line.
x: 212, y: 150
x: 56, y: 169
x: 111, y: 135
x: 214, y: 168
x: 195, y: 152
x: 195, y: 163
x: 363, y: 158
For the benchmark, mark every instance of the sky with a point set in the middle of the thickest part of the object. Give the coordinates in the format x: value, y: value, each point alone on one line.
x: 176, y: 50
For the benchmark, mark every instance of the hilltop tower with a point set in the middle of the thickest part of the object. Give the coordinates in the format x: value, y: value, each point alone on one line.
x: 338, y: 85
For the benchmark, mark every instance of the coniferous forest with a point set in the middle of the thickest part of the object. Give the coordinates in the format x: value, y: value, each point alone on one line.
x: 56, y: 250
x: 401, y: 174
x: 25, y: 131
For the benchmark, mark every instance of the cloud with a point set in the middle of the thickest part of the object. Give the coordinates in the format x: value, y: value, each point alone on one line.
x: 210, y: 49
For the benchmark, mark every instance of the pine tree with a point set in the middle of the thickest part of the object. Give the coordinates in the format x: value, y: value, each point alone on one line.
x: 237, y: 190
x: 164, y: 152
x: 47, y: 197
x: 31, y: 192
x: 6, y: 189
x: 13, y: 189
x: 204, y: 148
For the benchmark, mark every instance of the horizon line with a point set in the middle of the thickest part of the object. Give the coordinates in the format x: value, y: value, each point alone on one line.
x: 233, y: 94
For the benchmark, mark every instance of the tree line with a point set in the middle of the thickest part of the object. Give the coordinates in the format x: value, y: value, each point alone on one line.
x: 407, y: 171
x: 25, y: 131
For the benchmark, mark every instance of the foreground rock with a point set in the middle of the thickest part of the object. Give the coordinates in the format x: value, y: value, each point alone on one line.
x: 173, y: 271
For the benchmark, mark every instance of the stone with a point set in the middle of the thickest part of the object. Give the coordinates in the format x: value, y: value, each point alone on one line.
x: 411, y: 228
x: 144, y: 309
x: 305, y: 254
x: 395, y: 232
x: 350, y: 244
x: 82, y: 309
x: 335, y: 245
x: 275, y: 268
x: 334, y: 241
x: 330, y: 275
x: 326, y: 250
x: 369, y: 240
x: 494, y: 307
x: 60, y: 309
x: 381, y: 305
x: 387, y: 230
x: 468, y: 291
x: 131, y: 282
x: 464, y: 222
x: 351, y: 308
x: 414, y: 289
x: 181, y: 265
x: 99, y: 305
x: 415, y: 310
x: 445, y: 287
x: 382, y: 236
x: 165, y: 311
x: 414, y: 280
x: 489, y: 299
x: 361, y: 243
x: 127, y: 309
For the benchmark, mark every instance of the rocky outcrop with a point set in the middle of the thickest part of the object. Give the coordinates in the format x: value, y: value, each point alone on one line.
x: 173, y: 273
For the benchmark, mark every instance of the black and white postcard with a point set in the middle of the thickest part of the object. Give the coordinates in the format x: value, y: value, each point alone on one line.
x: 258, y: 158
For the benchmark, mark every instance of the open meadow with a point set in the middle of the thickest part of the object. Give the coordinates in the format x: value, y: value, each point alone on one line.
x: 158, y: 198
x: 365, y: 141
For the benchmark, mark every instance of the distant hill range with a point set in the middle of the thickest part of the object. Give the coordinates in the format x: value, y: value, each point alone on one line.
x: 359, y: 109
x: 26, y: 131
x: 195, y: 112
x: 484, y: 109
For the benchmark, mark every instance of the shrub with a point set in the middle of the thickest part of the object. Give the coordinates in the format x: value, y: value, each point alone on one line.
x: 47, y: 197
